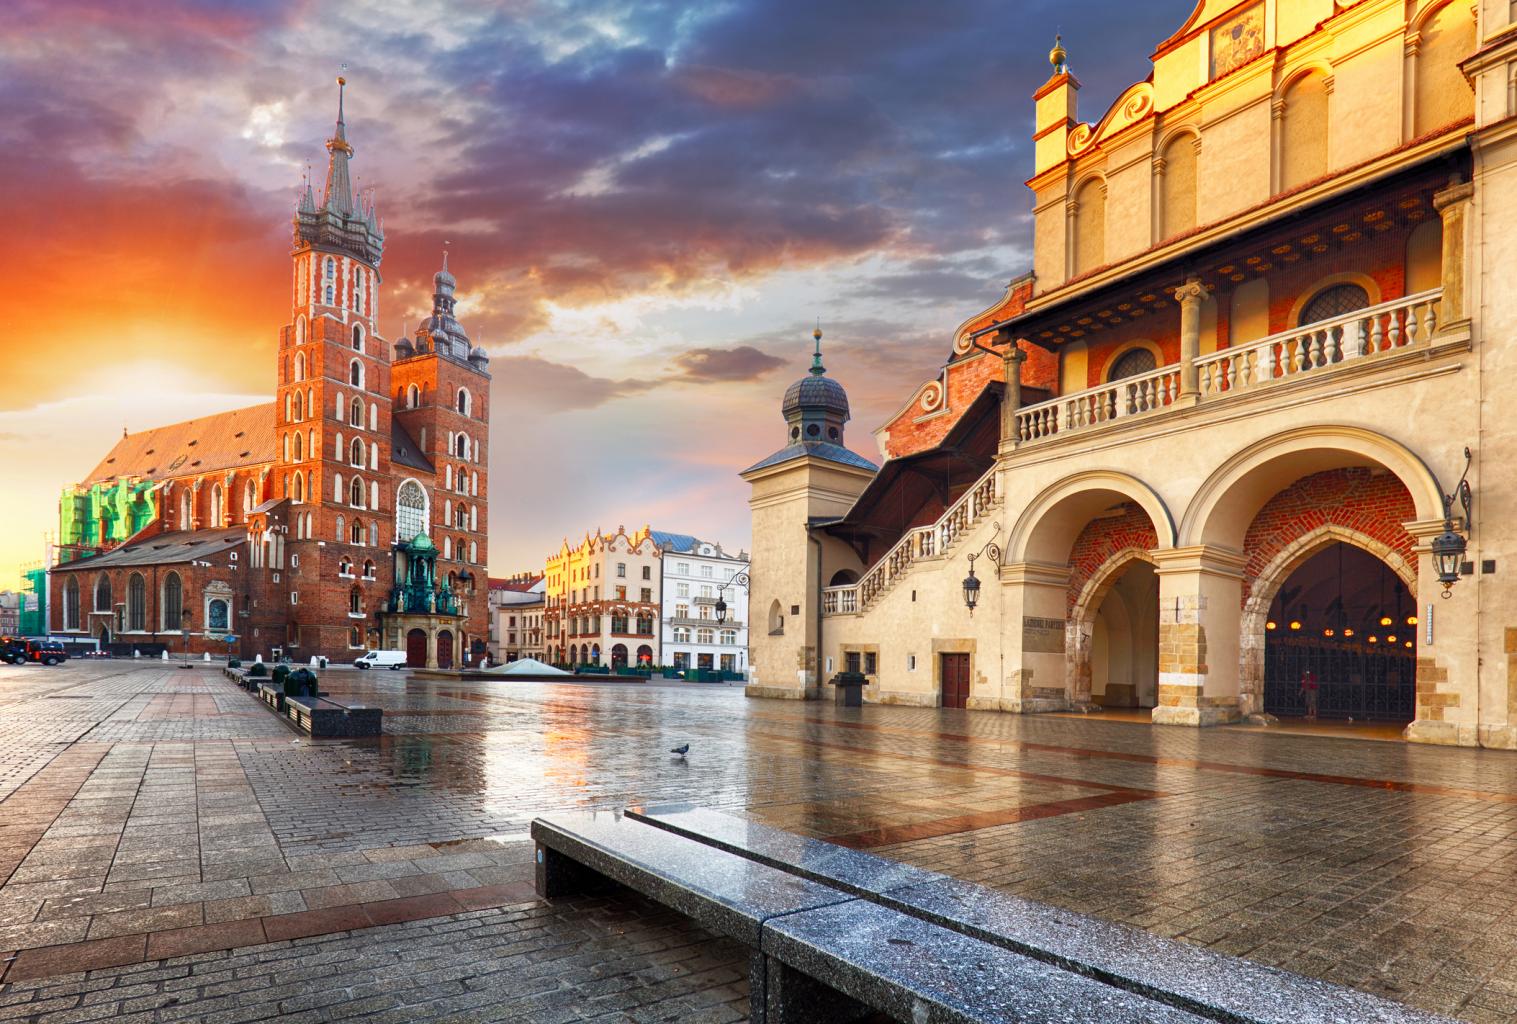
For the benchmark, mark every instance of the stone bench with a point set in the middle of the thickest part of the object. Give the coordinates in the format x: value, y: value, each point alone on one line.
x: 818, y: 953
x: 1179, y: 974
x: 327, y: 719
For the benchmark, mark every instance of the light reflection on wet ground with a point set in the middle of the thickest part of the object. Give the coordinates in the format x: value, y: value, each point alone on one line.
x: 1386, y: 866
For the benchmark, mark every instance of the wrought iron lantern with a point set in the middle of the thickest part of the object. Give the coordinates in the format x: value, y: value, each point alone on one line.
x: 739, y: 580
x: 1449, y: 546
x: 971, y: 588
x: 992, y: 551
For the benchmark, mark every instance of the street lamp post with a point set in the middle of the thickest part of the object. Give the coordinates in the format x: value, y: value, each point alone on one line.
x: 184, y: 629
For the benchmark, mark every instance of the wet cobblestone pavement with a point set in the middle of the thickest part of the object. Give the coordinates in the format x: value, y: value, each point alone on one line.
x: 172, y: 851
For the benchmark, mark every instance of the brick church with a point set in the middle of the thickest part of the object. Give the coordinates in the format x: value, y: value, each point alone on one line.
x: 347, y: 514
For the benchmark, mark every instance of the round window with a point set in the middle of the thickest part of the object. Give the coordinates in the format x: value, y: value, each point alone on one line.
x: 813, y: 431
x: 832, y: 432
x: 795, y: 432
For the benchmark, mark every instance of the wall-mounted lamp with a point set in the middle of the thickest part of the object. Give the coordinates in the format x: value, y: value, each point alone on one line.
x: 992, y: 551
x: 1449, y: 546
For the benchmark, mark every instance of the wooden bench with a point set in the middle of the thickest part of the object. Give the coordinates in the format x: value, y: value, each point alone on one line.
x: 818, y: 953
x: 1189, y: 977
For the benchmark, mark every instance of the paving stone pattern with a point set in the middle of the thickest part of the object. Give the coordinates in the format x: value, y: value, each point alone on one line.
x: 170, y: 850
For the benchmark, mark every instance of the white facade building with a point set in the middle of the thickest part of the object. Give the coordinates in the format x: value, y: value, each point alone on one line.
x: 696, y: 574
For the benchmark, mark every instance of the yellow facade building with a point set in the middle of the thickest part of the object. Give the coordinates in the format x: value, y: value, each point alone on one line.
x: 1198, y: 456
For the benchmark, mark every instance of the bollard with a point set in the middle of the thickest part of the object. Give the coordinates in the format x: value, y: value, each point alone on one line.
x: 165, y: 655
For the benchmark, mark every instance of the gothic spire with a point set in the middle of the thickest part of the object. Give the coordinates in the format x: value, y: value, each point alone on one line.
x: 339, y: 192
x: 817, y: 369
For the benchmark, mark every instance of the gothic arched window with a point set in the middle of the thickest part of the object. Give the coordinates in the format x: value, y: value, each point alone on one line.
x: 355, y: 452
x: 355, y: 374
x: 300, y: 366
x: 356, y: 493
x: 136, y: 602
x: 358, y: 337
x: 71, y: 603
x: 463, y: 401
x: 413, y: 396
x: 356, y: 417
x: 172, y: 603
x: 216, y: 510
x: 410, y: 511
x: 103, y: 593
x: 356, y: 536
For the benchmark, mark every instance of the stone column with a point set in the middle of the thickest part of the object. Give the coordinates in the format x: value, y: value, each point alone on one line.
x: 431, y: 646
x: 1011, y: 399
x: 1453, y: 205
x: 1036, y: 673
x: 1200, y: 617
x: 1190, y: 295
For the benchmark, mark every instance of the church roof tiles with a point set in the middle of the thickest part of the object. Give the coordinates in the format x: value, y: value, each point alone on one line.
x: 228, y: 440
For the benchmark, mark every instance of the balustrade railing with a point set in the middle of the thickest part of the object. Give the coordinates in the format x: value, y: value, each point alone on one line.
x: 1399, y: 324
x: 922, y: 542
x: 1316, y: 348
x: 1118, y: 399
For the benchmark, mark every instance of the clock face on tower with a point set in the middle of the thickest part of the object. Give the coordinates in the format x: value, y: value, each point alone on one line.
x: 1237, y: 40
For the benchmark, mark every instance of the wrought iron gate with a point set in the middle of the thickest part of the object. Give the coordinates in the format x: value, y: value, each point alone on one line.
x: 1360, y: 680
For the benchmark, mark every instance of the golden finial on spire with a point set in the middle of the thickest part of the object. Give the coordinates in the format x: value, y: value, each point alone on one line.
x: 1058, y: 56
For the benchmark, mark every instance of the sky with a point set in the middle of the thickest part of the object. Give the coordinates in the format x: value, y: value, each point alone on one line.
x: 648, y: 207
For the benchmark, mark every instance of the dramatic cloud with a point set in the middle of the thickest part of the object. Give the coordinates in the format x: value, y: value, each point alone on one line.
x: 743, y: 363
x: 646, y: 204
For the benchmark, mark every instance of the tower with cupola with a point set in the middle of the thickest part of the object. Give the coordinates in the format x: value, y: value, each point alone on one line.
x: 332, y: 417
x: 440, y: 385
x: 813, y: 477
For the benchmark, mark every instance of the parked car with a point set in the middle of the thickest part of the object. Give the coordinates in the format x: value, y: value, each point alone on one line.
x: 391, y: 660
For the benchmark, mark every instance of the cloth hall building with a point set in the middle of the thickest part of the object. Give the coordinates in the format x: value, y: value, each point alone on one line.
x: 347, y: 513
x: 1198, y: 456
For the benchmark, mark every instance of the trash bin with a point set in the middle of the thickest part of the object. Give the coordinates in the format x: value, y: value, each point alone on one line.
x: 848, y: 689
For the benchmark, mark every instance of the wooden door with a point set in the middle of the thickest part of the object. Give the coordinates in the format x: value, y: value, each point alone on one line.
x: 955, y: 675
x: 444, y: 649
x: 416, y: 649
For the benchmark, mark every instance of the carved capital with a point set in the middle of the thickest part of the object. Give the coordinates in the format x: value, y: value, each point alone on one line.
x: 1192, y: 291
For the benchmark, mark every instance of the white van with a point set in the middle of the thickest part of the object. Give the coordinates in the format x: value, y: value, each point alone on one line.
x: 382, y: 659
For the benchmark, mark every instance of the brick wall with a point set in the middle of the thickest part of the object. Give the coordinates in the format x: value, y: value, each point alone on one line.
x: 1371, y: 503
x: 1103, y: 538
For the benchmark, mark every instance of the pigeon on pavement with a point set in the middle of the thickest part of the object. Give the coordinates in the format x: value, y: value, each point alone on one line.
x: 681, y: 750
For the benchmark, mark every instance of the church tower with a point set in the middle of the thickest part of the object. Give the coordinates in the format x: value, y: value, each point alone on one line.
x: 441, y: 386
x: 333, y: 409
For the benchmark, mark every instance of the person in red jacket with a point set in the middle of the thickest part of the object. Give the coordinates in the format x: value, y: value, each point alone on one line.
x: 1309, y: 693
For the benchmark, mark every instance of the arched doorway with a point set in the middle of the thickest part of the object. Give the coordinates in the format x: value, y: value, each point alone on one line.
x: 1347, y: 623
x: 619, y: 657
x: 444, y: 648
x: 574, y: 654
x: 1123, y: 657
x: 416, y: 649
x: 644, y: 654
x: 594, y: 656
